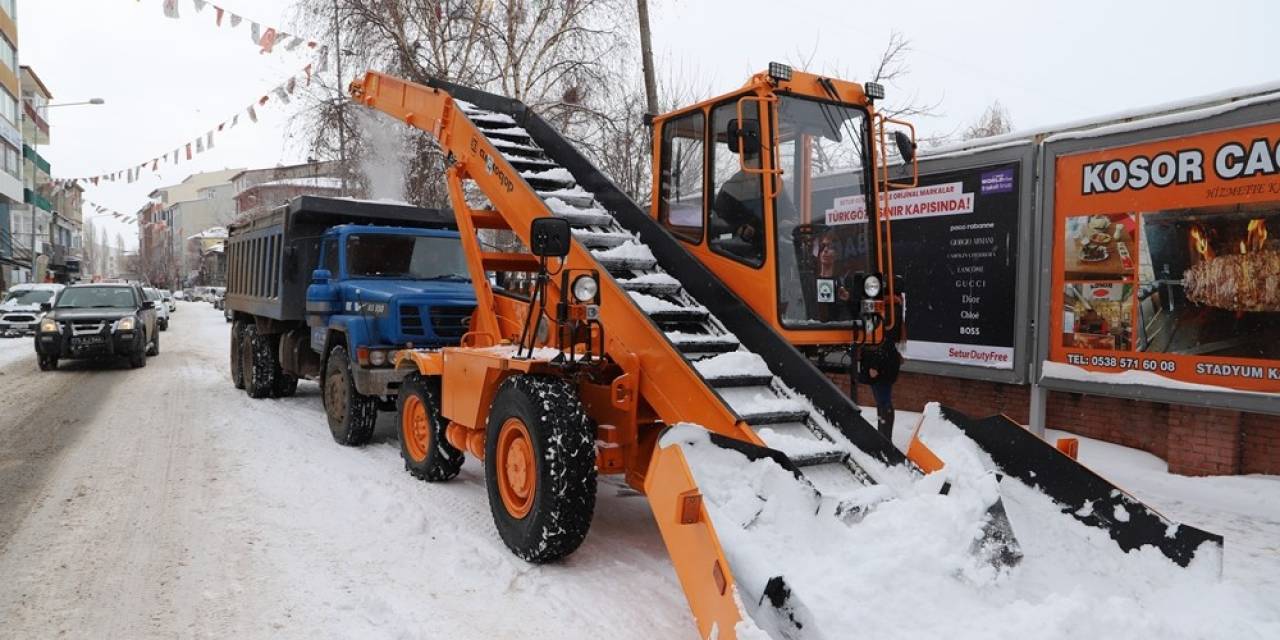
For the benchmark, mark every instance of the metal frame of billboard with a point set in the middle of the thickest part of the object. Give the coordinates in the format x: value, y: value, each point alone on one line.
x: 1219, y: 118
x: 1024, y: 154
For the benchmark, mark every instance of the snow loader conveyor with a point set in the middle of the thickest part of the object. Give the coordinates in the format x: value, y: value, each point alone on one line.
x: 684, y: 371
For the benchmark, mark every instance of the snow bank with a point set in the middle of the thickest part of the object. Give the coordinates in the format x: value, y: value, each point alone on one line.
x: 1064, y: 371
x: 654, y: 304
x: 905, y: 570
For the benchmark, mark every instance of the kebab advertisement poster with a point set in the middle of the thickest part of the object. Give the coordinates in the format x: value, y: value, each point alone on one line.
x: 1167, y: 259
x: 955, y: 246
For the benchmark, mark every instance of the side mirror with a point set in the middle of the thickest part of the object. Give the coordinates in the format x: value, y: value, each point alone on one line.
x: 549, y: 237
x: 321, y: 276
x: 906, y: 146
x: 148, y: 304
x: 744, y: 138
x: 46, y: 306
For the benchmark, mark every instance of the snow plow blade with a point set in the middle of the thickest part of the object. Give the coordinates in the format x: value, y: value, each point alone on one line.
x: 722, y: 601
x: 1084, y: 495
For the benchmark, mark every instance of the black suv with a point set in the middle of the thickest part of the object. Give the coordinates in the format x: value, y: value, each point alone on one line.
x: 98, y: 321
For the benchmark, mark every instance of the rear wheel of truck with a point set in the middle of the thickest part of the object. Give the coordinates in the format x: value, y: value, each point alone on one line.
x: 237, y: 371
x: 351, y: 414
x: 427, y: 453
x: 257, y: 363
x: 540, y: 467
x: 286, y: 385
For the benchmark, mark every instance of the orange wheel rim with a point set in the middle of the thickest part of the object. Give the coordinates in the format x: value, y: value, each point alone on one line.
x: 415, y: 428
x: 517, y: 473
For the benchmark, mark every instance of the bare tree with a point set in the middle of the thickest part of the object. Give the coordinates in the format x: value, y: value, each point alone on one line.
x: 993, y: 122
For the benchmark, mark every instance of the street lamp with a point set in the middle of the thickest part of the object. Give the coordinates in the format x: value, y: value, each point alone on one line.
x: 35, y: 147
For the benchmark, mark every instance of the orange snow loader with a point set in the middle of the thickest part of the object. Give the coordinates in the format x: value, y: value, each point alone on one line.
x: 601, y: 327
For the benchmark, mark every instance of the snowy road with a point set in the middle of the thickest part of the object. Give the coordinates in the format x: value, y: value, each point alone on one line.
x: 162, y: 502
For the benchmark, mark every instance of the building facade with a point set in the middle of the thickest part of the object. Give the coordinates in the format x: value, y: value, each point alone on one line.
x: 201, y: 201
x: 11, y: 188
x: 260, y: 189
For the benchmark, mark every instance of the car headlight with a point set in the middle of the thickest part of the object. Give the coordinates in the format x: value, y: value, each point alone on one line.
x: 49, y: 326
x: 871, y: 286
x: 585, y: 288
x: 125, y: 324
x: 377, y: 358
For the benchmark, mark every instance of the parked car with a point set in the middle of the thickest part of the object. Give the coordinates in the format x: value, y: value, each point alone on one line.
x: 20, y: 310
x: 216, y: 296
x: 167, y: 296
x: 162, y: 309
x: 98, y: 321
x: 179, y: 295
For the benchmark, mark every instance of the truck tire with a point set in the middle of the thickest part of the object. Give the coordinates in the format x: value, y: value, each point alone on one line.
x: 286, y: 385
x: 138, y: 359
x: 258, y: 363
x: 427, y: 453
x: 237, y: 372
x: 153, y: 349
x: 47, y: 363
x: 540, y: 467
x: 351, y: 414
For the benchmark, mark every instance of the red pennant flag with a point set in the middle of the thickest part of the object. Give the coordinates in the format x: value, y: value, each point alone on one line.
x: 94, y: 180
x: 313, y: 44
x: 219, y: 12
x: 263, y: 100
x: 155, y: 164
x: 308, y: 70
x: 268, y: 40
x: 188, y: 150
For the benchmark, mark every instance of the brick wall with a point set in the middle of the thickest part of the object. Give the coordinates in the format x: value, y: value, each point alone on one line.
x: 1193, y: 440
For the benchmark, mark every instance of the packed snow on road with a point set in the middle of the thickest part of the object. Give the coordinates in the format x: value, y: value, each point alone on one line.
x: 181, y: 508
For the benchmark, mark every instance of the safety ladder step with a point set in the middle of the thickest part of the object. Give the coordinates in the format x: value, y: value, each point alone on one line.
x: 732, y: 382
x: 698, y: 343
x: 525, y: 164
x: 622, y: 263
x: 821, y: 457
x: 775, y: 417
x: 601, y: 239
x: 686, y: 314
x: 574, y: 198
x: 584, y: 219
x: 509, y: 133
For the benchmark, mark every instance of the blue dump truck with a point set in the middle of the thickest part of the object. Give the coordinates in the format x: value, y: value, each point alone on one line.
x: 328, y: 289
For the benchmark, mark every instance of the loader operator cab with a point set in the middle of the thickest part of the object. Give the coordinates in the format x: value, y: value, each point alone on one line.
x: 768, y: 187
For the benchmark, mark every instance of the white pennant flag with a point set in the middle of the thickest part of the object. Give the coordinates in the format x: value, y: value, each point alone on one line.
x: 255, y: 32
x: 209, y: 142
x: 235, y: 20
x: 235, y: 120
x: 294, y: 43
x: 323, y: 64
x: 171, y: 8
x: 200, y: 5
x: 253, y: 114
x: 175, y: 156
x: 282, y: 94
x: 199, y: 145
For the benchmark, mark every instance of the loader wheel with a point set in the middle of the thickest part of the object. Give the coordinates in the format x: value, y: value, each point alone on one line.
x: 237, y: 371
x: 351, y: 414
x: 427, y: 453
x: 257, y: 362
x: 540, y: 467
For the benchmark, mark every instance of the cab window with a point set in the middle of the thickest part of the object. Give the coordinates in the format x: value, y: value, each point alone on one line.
x: 329, y: 259
x: 736, y: 220
x: 681, y: 193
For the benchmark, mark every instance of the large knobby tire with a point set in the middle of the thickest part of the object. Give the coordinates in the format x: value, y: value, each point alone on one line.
x: 351, y: 414
x: 540, y: 467
x: 427, y: 453
x: 258, y: 362
x: 237, y: 371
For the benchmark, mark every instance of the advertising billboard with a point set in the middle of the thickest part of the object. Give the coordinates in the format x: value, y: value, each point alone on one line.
x: 956, y: 246
x: 1166, y: 259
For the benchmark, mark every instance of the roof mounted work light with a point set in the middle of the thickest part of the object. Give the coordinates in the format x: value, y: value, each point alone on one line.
x: 874, y: 90
x: 779, y: 72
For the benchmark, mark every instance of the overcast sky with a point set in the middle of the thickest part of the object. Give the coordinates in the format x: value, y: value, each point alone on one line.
x: 166, y: 82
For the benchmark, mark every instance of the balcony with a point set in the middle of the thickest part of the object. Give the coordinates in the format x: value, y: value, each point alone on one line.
x: 34, y: 198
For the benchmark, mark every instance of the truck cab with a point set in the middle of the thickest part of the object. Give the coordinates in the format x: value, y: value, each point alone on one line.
x: 385, y: 288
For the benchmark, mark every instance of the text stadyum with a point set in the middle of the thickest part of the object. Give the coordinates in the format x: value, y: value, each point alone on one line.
x: 1231, y: 161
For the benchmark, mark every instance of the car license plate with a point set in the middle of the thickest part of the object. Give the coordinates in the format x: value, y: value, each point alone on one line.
x: 85, y: 341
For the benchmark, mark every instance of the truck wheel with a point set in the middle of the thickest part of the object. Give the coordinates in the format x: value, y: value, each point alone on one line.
x: 47, y: 363
x: 286, y: 385
x: 540, y: 467
x: 257, y: 362
x: 153, y: 349
x: 237, y: 372
x: 427, y: 453
x: 351, y: 414
x: 138, y: 359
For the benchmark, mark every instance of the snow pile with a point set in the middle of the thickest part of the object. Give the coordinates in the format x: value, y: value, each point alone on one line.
x: 558, y: 174
x: 734, y: 363
x: 680, y: 337
x: 626, y: 251
x: 654, y: 304
x: 1064, y: 371
x: 905, y: 570
x: 658, y: 279
x: 749, y: 401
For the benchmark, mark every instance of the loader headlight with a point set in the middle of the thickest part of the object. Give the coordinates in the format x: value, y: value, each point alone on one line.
x: 125, y: 324
x: 48, y: 326
x: 872, y: 286
x: 585, y: 288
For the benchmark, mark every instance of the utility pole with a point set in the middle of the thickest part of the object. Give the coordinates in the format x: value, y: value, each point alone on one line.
x: 342, y: 134
x: 646, y: 57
